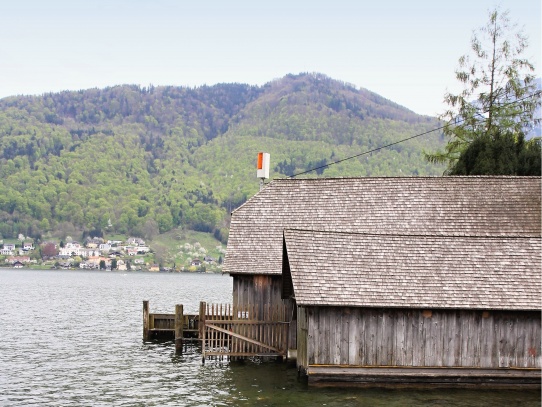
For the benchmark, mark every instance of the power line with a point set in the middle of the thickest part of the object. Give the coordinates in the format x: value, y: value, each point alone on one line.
x: 408, y: 138
x: 368, y: 152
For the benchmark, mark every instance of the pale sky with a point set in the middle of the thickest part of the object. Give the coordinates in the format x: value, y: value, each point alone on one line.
x: 406, y: 51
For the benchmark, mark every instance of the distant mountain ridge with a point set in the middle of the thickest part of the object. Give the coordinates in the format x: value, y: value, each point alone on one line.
x: 155, y: 158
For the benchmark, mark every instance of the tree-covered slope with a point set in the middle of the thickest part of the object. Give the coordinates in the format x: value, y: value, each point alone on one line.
x: 145, y: 160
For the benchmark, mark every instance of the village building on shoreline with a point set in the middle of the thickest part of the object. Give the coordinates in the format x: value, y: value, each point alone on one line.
x: 93, y: 253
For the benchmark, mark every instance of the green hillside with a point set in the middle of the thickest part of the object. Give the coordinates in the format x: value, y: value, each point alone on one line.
x: 144, y: 161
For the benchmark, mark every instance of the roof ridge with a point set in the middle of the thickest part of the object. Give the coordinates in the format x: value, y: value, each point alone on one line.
x: 338, y: 232
x: 410, y: 177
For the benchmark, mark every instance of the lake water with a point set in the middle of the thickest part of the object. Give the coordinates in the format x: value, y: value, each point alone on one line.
x: 74, y: 338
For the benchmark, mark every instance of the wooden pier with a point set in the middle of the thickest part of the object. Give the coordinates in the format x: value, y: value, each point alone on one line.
x: 178, y: 326
x: 243, y: 331
x: 223, y: 330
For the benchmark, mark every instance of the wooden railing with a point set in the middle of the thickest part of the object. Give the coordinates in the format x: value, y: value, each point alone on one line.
x: 223, y: 329
x: 179, y: 326
x: 243, y: 331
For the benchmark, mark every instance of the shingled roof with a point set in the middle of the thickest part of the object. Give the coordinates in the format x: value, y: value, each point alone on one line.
x: 438, y: 206
x: 347, y: 269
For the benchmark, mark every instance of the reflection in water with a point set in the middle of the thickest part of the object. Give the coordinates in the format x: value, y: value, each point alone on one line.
x: 75, y: 338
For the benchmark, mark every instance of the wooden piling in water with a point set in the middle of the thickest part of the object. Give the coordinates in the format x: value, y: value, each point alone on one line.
x: 179, y: 321
x: 201, y: 327
x: 146, y: 333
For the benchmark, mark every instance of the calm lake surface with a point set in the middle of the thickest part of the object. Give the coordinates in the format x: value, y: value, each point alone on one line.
x: 74, y: 338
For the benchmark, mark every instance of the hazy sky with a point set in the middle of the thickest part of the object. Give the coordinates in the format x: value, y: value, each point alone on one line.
x: 406, y: 51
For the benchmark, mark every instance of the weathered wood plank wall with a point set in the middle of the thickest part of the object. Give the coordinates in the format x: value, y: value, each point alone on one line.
x: 437, y: 338
x: 261, y: 291
x: 303, y: 337
x: 257, y: 290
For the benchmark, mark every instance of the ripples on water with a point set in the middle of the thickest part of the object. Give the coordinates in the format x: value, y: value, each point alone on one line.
x: 75, y: 338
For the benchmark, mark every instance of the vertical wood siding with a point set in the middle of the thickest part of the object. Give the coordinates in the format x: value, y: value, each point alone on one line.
x: 303, y: 337
x: 228, y: 330
x: 257, y: 290
x: 437, y: 338
x: 261, y: 291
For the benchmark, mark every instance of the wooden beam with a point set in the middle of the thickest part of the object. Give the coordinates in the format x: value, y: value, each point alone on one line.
x: 164, y: 316
x: 145, y: 320
x: 179, y: 320
x: 244, y: 354
x: 411, y: 375
x: 244, y: 338
x: 202, y: 313
x: 247, y: 322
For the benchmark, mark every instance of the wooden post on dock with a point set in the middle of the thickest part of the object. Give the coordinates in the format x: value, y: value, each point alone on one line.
x: 202, y: 312
x: 179, y: 320
x: 145, y: 320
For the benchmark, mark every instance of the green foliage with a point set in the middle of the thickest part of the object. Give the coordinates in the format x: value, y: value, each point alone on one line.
x: 498, y: 90
x: 180, y: 247
x: 142, y: 161
x: 500, y: 154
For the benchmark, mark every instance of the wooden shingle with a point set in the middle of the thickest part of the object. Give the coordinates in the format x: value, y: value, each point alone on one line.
x: 408, y: 271
x: 431, y: 206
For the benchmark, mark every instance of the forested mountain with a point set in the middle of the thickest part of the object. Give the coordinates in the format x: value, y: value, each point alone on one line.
x: 146, y: 160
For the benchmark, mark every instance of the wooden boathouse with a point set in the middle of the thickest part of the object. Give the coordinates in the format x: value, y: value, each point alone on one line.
x: 402, y: 308
x: 408, y: 278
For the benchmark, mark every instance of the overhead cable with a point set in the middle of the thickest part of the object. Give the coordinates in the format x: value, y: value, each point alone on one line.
x: 408, y: 138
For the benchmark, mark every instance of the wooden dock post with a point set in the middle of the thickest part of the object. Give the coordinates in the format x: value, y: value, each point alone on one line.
x: 179, y: 321
x: 146, y: 332
x: 201, y: 327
